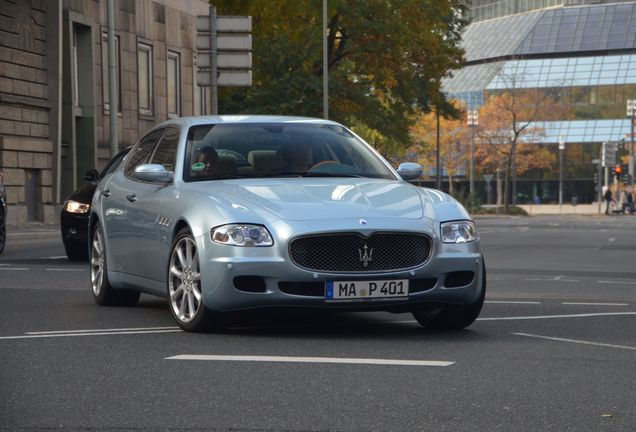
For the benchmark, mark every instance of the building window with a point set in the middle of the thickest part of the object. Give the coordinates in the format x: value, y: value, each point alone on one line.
x: 173, y: 78
x: 105, y: 74
x: 144, y: 79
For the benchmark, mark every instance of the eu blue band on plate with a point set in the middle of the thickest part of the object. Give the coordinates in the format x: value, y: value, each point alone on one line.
x: 329, y: 294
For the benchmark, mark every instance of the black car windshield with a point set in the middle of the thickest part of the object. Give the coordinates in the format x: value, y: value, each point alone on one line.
x: 253, y: 150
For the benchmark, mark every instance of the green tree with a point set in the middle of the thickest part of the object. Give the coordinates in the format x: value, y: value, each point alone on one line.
x: 386, y: 60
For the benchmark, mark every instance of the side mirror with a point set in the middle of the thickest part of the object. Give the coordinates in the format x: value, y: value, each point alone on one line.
x: 91, y: 175
x: 153, y: 173
x: 409, y: 170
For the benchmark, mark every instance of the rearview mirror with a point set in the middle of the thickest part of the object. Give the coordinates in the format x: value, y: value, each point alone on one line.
x: 409, y: 170
x: 153, y: 173
x: 91, y: 175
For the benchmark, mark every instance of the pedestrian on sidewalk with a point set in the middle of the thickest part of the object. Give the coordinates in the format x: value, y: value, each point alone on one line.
x: 628, y: 200
x: 607, y: 194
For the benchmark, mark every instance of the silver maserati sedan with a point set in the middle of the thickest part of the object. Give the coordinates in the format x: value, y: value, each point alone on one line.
x: 227, y: 214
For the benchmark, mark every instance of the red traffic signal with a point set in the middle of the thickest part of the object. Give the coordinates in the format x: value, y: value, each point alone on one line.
x: 618, y: 169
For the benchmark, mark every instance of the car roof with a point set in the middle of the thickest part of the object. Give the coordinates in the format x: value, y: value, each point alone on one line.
x: 241, y: 118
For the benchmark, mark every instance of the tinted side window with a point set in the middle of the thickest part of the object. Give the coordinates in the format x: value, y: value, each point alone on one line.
x: 113, y: 164
x: 140, y: 154
x: 166, y: 151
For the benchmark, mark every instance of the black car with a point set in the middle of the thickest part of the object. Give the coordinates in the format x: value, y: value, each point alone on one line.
x: 3, y: 214
x: 76, y: 208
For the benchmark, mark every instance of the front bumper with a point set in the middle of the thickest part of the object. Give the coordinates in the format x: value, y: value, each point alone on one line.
x: 435, y: 281
x: 74, y: 227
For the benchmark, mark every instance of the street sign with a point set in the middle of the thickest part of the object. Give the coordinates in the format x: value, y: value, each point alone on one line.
x: 488, y: 178
x: 225, y: 24
x: 232, y: 51
x: 230, y: 42
x: 608, y: 154
x: 229, y: 77
x: 227, y: 60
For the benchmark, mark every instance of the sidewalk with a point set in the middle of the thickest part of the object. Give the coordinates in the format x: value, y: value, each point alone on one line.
x: 565, y: 209
x: 33, y: 229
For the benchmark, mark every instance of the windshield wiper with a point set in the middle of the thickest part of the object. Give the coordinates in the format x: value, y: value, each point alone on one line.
x: 326, y: 174
x: 281, y: 174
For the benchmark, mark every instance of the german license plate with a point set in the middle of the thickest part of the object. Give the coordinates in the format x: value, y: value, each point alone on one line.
x: 367, y: 290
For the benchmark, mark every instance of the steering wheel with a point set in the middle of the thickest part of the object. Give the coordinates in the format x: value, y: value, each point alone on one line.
x: 232, y: 153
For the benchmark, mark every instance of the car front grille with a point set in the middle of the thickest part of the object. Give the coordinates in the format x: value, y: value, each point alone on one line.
x: 352, y: 252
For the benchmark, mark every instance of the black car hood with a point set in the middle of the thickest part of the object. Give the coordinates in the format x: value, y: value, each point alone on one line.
x: 83, y: 194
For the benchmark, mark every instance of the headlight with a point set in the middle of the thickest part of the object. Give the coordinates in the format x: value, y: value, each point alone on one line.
x: 76, y: 207
x: 242, y: 235
x: 459, y: 232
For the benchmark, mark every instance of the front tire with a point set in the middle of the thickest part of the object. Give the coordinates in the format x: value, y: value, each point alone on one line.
x: 103, y: 293
x: 76, y: 251
x: 452, y: 316
x: 185, y: 291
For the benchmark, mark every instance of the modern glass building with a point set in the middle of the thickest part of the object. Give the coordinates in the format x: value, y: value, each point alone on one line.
x: 581, y: 52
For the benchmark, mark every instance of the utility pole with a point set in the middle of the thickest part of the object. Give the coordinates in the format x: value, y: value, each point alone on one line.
x: 214, y: 77
x: 438, y: 167
x: 561, y: 149
x: 113, y: 101
x: 473, y: 122
x: 631, y: 113
x: 325, y: 63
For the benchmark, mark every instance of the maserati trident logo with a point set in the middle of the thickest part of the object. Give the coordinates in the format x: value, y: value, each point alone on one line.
x: 366, y: 255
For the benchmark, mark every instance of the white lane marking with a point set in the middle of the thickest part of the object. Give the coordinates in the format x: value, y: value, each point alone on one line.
x: 594, y: 304
x: 55, y: 257
x: 575, y: 341
x: 556, y: 316
x: 616, y: 282
x: 511, y: 302
x: 152, y: 330
x: 335, y: 360
x: 102, y: 330
x: 612, y: 239
x: 15, y: 268
x: 554, y: 279
x: 65, y: 269
x: 87, y: 334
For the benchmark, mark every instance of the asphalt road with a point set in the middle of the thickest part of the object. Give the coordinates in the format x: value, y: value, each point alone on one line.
x: 554, y: 349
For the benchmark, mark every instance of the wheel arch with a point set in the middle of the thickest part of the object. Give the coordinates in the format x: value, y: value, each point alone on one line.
x: 181, y: 224
x: 92, y: 221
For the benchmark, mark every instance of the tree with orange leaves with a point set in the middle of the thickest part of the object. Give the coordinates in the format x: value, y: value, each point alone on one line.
x: 507, y: 137
x: 454, y: 137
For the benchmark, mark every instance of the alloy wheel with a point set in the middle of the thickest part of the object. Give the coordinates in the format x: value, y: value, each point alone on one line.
x: 184, y: 284
x: 97, y: 261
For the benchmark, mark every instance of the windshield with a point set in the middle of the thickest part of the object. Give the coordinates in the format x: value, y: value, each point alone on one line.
x: 278, y: 150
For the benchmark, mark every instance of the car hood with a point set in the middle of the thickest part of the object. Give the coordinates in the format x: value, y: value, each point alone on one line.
x: 319, y: 199
x: 83, y: 194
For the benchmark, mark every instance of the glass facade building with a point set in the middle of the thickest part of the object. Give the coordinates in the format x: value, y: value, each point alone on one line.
x: 581, y: 52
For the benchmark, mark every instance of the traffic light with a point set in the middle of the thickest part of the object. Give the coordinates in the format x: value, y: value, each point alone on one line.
x: 618, y: 171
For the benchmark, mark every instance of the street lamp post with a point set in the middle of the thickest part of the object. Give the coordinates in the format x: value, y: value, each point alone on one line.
x: 473, y: 122
x: 561, y: 148
x: 631, y: 112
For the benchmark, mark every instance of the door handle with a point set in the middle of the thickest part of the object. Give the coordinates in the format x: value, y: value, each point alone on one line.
x: 131, y: 198
x: 106, y: 193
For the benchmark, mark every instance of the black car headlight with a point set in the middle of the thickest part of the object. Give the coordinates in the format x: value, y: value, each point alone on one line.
x: 458, y: 232
x: 76, y: 207
x: 242, y: 235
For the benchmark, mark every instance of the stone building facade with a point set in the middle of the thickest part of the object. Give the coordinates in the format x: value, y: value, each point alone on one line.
x: 54, y: 111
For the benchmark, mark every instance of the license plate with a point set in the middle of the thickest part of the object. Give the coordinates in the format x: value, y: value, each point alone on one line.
x: 367, y: 290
